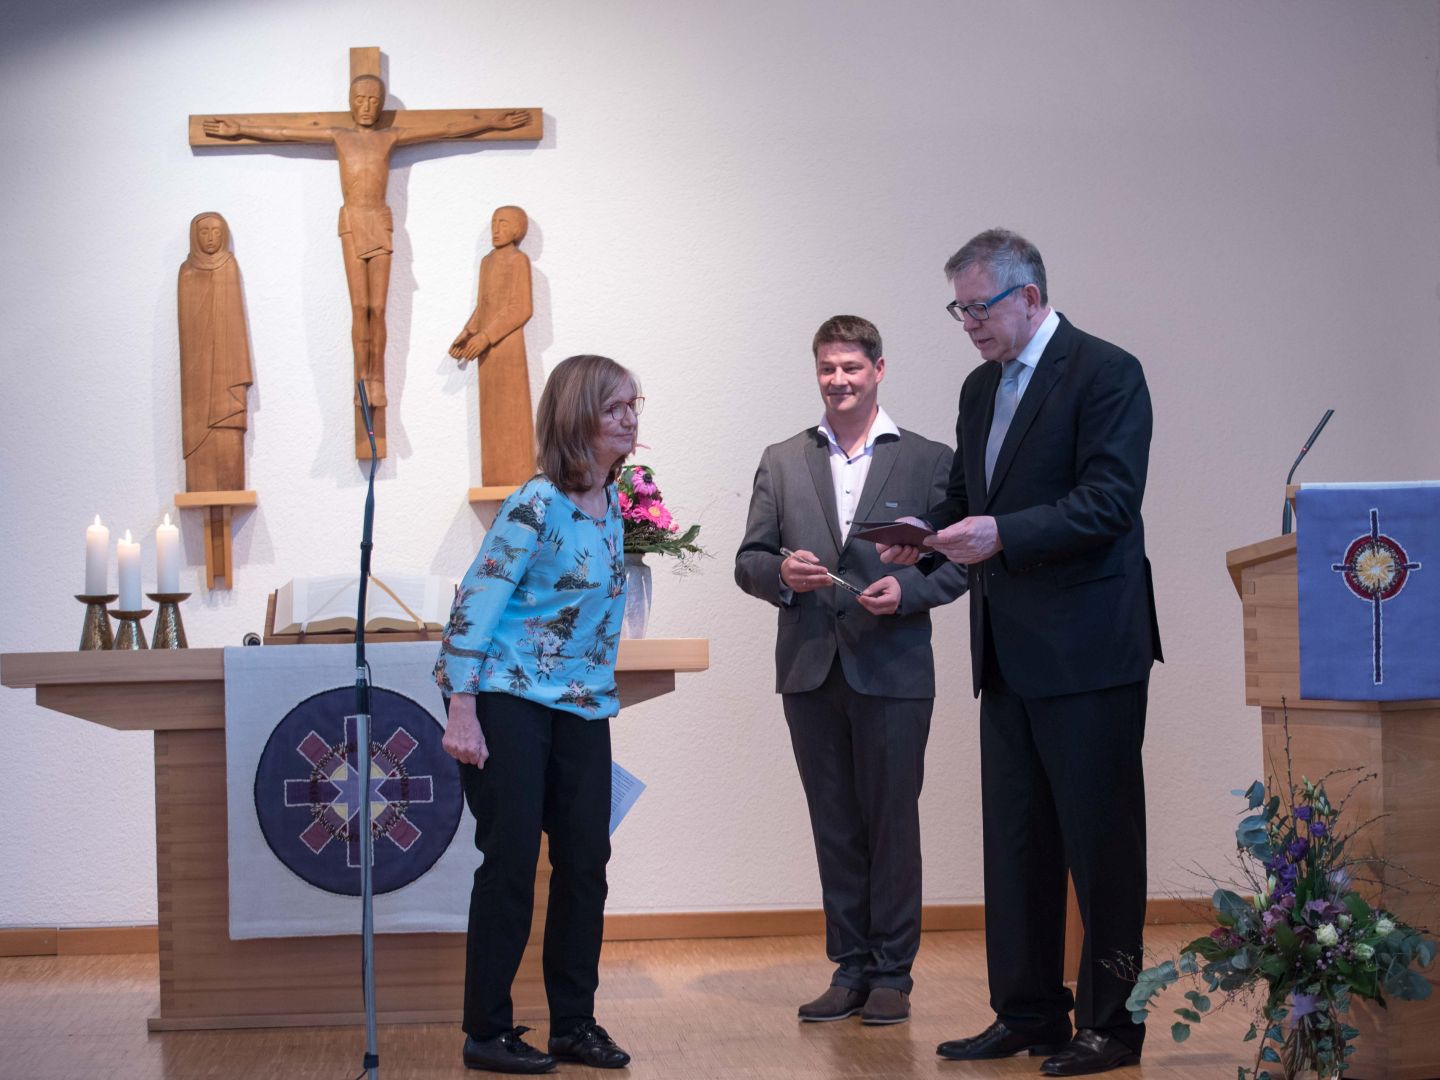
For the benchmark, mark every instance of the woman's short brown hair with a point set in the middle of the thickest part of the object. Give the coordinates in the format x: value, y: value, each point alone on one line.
x: 568, y: 418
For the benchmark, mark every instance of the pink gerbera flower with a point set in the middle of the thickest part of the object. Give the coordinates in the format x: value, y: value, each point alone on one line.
x: 643, y: 483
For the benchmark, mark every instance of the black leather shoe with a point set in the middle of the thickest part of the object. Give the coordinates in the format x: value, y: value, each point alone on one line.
x: 1090, y: 1052
x: 506, y: 1053
x: 590, y: 1044
x: 998, y: 1041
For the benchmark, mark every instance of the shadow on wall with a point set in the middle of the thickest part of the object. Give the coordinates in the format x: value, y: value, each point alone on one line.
x: 29, y: 26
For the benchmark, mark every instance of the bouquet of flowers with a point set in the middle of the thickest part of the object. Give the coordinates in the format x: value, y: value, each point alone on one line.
x: 1307, y: 936
x: 648, y: 524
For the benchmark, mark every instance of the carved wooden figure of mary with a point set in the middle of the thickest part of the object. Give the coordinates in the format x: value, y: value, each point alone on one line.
x: 214, y: 360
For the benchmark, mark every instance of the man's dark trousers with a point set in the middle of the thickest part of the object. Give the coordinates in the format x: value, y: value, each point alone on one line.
x: 862, y: 764
x: 1063, y: 785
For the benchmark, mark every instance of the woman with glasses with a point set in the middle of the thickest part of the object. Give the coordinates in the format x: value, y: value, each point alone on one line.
x: 527, y: 664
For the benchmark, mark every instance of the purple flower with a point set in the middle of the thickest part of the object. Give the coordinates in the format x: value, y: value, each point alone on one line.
x: 1298, y: 847
x: 1340, y: 880
x: 1317, y: 828
x: 1302, y: 1005
x: 1274, y: 916
x: 1302, y: 813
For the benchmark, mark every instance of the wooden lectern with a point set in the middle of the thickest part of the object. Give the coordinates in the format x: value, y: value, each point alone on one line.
x: 207, y: 980
x: 1398, y: 740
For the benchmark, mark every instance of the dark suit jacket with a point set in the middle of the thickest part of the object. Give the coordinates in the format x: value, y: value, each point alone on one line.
x: 1070, y: 599
x: 793, y: 505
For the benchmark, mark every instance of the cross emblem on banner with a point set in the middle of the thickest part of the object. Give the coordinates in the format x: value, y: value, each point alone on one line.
x: 1375, y: 569
x: 334, y: 789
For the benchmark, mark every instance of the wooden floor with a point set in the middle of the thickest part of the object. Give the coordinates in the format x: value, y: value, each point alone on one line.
x: 685, y: 1009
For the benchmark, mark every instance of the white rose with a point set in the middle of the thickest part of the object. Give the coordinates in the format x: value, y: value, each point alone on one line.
x: 1327, y: 934
x: 1364, y: 952
x: 1384, y: 926
x: 1344, y: 921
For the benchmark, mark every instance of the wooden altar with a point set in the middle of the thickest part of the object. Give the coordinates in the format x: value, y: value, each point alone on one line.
x: 206, y: 979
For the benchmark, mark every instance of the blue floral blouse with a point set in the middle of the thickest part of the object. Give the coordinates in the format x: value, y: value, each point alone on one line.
x: 538, y: 613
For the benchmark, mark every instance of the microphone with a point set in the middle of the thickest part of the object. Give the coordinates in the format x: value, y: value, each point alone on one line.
x: 1285, y: 518
x: 369, y: 420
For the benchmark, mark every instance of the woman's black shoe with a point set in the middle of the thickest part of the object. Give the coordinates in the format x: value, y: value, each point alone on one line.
x: 591, y: 1045
x: 506, y: 1053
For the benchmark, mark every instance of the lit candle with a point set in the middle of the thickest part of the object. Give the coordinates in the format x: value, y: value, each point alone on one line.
x: 128, y: 553
x: 167, y: 558
x: 97, y: 559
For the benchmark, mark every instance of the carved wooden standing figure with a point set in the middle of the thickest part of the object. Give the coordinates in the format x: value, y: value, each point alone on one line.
x: 363, y: 143
x: 495, y: 339
x: 214, y: 360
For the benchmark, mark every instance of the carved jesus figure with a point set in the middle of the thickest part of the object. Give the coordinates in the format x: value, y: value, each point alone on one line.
x: 363, y: 149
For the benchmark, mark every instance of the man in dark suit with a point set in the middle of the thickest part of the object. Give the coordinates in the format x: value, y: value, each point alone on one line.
x: 855, y: 671
x: 1043, y: 504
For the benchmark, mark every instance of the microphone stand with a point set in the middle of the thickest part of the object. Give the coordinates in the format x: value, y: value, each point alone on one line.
x: 1285, y: 517
x: 362, y: 737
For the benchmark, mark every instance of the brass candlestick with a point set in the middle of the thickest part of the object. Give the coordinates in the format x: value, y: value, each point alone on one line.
x: 96, y: 633
x: 169, y: 630
x: 130, y: 635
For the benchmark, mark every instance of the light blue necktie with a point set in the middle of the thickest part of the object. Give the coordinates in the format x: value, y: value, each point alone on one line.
x: 1007, y: 396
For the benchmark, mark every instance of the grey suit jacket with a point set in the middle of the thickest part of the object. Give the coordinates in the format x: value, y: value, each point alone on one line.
x: 793, y: 505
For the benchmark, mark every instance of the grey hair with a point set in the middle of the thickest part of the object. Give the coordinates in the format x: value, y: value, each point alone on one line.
x: 1007, y: 257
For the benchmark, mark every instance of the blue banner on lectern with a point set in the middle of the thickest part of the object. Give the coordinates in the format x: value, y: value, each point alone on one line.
x: 1368, y: 564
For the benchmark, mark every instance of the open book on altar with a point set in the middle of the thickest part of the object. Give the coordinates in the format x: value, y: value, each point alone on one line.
x: 319, y: 605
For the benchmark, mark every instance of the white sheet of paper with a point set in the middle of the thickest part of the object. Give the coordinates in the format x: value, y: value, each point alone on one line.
x: 625, y: 788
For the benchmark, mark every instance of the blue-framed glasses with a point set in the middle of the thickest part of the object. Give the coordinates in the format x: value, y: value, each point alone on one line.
x: 978, y: 312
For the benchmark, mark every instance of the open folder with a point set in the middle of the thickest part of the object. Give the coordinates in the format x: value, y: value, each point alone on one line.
x: 890, y: 532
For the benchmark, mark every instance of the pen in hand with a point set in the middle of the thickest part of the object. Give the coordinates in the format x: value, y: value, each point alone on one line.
x: 836, y: 579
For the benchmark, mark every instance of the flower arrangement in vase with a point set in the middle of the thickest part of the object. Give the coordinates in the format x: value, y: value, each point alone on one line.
x: 1306, y: 938
x: 649, y: 528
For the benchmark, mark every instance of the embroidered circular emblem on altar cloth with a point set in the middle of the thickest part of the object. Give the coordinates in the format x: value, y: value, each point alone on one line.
x: 1375, y: 567
x: 1375, y: 570
x: 307, y: 789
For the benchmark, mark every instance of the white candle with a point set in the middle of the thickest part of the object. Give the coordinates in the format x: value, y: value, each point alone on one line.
x: 128, y: 553
x: 167, y: 558
x: 97, y: 559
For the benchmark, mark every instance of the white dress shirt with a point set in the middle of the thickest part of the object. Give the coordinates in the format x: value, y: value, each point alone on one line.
x: 848, y: 473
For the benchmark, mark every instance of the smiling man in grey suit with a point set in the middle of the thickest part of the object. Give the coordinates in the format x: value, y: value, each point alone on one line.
x: 855, y: 672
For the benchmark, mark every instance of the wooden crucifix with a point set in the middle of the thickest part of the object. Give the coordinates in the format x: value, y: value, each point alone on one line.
x: 363, y: 139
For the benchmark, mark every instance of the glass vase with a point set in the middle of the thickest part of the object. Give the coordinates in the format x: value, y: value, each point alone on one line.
x: 638, y: 593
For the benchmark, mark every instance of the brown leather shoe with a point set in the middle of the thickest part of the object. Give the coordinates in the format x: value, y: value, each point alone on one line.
x: 836, y: 1003
x: 886, y: 1005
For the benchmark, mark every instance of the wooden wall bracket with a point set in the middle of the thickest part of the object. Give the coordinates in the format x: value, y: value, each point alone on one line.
x: 493, y: 493
x: 217, y: 507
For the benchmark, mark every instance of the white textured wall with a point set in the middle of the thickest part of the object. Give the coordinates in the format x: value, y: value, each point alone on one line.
x: 1243, y: 194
